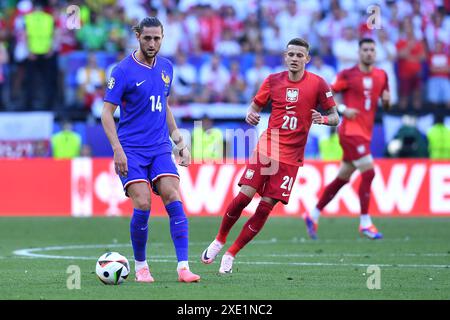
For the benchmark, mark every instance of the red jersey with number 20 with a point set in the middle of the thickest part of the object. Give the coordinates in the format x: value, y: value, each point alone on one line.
x: 361, y: 91
x: 291, y: 117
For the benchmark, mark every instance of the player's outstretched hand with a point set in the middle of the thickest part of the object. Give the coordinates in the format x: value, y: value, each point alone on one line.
x: 350, y: 113
x: 252, y: 118
x: 317, y: 118
x: 185, y: 157
x: 120, y: 162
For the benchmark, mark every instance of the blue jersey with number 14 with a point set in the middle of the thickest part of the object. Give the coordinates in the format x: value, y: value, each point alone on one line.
x: 141, y: 91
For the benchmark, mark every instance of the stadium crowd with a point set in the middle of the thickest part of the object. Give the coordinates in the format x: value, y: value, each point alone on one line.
x: 56, y: 55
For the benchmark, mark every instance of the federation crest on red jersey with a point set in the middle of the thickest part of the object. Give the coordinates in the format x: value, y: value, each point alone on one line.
x: 291, y: 94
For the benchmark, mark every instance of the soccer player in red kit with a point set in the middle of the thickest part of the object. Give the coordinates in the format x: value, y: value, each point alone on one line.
x: 295, y: 95
x: 361, y: 86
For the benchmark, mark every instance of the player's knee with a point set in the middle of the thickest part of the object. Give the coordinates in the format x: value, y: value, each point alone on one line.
x: 170, y: 195
x: 142, y: 202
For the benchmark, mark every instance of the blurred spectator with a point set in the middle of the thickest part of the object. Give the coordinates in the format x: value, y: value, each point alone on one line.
x: 41, y: 149
x: 3, y: 62
x: 96, y: 103
x: 271, y: 35
x: 231, y: 21
x: 435, y: 31
x: 345, y: 49
x: 386, y: 55
x: 439, y: 139
x: 235, y: 91
x: 439, y: 75
x: 207, y: 142
x: 89, y: 78
x: 215, y: 78
x: 39, y: 27
x: 184, y: 88
x: 409, y: 142
x: 411, y: 53
x: 174, y: 34
x: 256, y: 75
x: 86, y: 151
x: 66, y: 144
x: 293, y: 23
x: 117, y: 29
x: 251, y: 40
x: 210, y: 28
x: 418, y: 19
x: 331, y: 26
x: 319, y: 67
x: 119, y: 57
x: 19, y: 51
x: 228, y: 45
x: 329, y: 147
x: 191, y: 27
x: 94, y: 34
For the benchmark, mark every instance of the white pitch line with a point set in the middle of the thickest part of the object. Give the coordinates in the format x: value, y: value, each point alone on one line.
x: 345, y: 264
x: 316, y: 255
x: 30, y: 253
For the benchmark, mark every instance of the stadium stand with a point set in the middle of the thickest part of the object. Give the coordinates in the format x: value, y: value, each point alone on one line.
x: 202, y: 25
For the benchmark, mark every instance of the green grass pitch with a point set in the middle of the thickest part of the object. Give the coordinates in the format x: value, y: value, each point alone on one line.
x: 281, y: 262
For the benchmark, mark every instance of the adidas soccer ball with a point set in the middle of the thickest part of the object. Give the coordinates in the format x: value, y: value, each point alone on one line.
x: 112, y: 268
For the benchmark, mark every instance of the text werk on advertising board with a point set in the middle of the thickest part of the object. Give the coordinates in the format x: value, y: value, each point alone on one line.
x: 85, y: 187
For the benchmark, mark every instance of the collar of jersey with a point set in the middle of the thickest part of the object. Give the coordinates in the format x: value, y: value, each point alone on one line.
x: 143, y: 64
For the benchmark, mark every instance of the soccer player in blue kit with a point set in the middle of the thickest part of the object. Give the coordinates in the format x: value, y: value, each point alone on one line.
x: 140, y: 85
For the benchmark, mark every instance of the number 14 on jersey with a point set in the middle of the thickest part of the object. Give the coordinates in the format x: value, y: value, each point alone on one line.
x: 156, y: 103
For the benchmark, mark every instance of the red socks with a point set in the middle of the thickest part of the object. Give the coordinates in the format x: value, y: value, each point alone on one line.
x: 232, y: 215
x: 330, y: 191
x: 251, y: 227
x: 364, y: 190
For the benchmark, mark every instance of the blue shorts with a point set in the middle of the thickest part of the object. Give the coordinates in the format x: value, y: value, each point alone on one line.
x: 145, y: 168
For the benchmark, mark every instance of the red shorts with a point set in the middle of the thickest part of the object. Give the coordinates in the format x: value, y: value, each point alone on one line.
x: 409, y: 85
x: 270, y: 178
x: 354, y: 147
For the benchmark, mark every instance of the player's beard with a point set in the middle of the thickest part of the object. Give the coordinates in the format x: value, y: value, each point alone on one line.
x: 149, y: 55
x: 368, y: 62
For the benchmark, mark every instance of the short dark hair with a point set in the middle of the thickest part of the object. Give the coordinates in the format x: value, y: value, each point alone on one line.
x: 366, y: 40
x: 148, y: 22
x: 298, y: 42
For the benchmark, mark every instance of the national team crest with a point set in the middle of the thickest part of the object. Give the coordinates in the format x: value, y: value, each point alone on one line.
x: 367, y: 83
x: 249, y: 174
x: 111, y: 83
x: 165, y: 77
x: 291, y: 94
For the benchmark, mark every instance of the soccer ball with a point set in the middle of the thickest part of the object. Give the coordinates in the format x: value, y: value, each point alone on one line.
x: 112, y: 268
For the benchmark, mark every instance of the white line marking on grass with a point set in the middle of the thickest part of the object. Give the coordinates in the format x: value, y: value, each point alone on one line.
x: 32, y: 253
x: 315, y: 255
x: 343, y: 264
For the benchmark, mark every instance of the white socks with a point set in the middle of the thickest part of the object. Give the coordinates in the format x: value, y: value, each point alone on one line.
x: 365, y: 221
x: 138, y: 265
x: 315, y: 214
x: 141, y: 264
x: 183, y: 264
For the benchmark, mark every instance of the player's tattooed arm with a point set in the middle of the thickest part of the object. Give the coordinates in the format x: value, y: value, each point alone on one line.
x: 330, y: 119
x: 253, y: 116
x: 333, y: 116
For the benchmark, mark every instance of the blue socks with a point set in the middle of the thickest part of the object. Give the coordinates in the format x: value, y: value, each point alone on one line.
x: 178, y: 229
x: 139, y: 233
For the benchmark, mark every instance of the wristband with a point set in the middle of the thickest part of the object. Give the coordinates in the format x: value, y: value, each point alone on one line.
x: 341, y: 108
x: 325, y: 120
